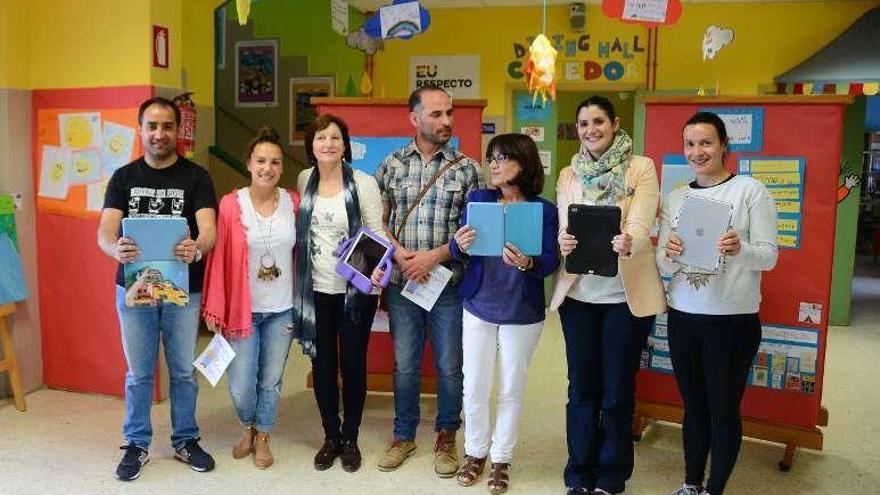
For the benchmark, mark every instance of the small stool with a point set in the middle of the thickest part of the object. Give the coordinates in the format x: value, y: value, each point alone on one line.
x: 9, y: 363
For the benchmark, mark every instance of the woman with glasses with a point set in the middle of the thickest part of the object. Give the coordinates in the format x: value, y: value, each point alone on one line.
x: 503, y: 299
x: 606, y: 320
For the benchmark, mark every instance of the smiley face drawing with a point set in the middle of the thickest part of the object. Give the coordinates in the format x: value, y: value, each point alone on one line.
x: 78, y: 132
x: 116, y: 144
x: 82, y: 167
x: 57, y: 172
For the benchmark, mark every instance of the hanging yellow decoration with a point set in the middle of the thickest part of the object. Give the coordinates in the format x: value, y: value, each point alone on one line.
x: 540, y: 69
x: 244, y: 10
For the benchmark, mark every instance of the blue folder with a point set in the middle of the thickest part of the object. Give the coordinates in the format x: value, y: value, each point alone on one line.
x: 488, y: 220
x: 524, y: 226
x: 520, y: 224
x: 155, y: 237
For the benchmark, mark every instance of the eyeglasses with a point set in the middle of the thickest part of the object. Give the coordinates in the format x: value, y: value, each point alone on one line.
x: 498, y: 158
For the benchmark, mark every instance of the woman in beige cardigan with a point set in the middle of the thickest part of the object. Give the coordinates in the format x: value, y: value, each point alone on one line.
x: 606, y: 320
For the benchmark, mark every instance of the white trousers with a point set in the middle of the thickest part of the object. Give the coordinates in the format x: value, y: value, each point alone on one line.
x: 511, y: 346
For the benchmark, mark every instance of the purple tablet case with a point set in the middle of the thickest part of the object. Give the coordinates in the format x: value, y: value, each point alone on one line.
x: 360, y: 254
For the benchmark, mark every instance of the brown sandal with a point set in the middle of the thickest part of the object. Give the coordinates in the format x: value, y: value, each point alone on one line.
x: 498, y: 478
x: 470, y: 470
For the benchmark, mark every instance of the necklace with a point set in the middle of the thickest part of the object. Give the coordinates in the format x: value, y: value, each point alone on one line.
x: 269, y: 271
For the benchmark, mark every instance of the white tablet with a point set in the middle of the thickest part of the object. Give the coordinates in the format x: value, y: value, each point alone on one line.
x: 699, y: 224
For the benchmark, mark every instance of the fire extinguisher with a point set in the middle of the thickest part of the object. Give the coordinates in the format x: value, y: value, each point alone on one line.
x: 186, y: 133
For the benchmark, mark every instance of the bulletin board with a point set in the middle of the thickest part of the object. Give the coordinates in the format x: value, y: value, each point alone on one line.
x: 389, y: 118
x: 798, y: 159
x: 81, y: 346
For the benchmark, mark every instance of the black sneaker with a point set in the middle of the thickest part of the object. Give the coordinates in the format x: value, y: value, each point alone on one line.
x: 192, y: 454
x: 132, y: 462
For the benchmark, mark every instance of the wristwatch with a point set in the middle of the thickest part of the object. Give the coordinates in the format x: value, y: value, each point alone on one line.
x: 198, y: 256
x: 528, y: 266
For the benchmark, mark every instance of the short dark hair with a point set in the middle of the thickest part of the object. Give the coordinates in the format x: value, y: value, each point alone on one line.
x: 521, y: 148
x: 711, y: 119
x: 321, y: 123
x: 162, y: 102
x: 266, y: 134
x: 599, y: 101
x: 415, y: 98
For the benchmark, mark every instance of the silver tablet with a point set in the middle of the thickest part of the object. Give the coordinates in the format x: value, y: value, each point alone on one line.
x: 699, y: 224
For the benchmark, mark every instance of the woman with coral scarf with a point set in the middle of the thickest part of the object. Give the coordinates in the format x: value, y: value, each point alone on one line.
x: 248, y: 292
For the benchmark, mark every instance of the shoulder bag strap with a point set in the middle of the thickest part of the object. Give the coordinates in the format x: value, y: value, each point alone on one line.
x: 424, y: 191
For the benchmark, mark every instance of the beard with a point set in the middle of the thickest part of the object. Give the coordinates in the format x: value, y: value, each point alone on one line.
x: 439, y: 137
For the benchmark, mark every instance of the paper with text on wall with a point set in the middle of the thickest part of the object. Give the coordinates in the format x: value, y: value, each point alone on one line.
x: 214, y: 360
x: 425, y: 295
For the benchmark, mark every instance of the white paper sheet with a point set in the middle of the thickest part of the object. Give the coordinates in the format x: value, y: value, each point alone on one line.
x: 214, y: 360
x: 95, y: 195
x: 54, y: 172
x: 80, y: 130
x: 425, y: 295
x: 400, y: 18
x: 85, y: 166
x: 645, y: 10
x: 118, y: 145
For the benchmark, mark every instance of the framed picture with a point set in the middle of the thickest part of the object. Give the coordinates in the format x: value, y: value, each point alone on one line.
x: 256, y: 73
x: 302, y: 112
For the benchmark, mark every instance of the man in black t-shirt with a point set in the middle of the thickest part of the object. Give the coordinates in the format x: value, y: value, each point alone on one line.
x: 160, y: 184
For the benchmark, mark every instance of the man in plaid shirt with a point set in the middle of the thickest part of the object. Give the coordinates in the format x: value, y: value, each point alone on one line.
x: 423, y: 243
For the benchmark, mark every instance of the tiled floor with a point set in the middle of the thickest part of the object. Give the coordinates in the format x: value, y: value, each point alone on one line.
x: 66, y: 442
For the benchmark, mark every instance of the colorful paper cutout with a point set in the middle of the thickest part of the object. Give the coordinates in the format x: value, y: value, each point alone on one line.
x: 716, y: 38
x: 540, y: 69
x: 647, y: 9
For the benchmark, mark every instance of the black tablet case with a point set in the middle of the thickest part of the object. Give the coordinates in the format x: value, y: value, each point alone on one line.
x: 594, y: 227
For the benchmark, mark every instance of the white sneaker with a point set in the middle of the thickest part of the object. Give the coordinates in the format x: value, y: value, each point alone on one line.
x: 689, y: 490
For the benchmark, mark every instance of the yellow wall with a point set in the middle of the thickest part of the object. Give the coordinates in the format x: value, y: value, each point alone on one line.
x: 166, y: 13
x: 770, y: 38
x: 74, y: 44
x: 198, y: 48
x: 47, y: 44
x: 13, y: 44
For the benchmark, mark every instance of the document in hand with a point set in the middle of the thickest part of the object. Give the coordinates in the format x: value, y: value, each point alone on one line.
x: 157, y: 276
x: 699, y: 224
x: 520, y: 224
x: 594, y: 227
x: 214, y: 360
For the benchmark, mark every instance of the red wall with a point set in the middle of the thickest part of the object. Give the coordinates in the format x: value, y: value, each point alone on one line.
x: 81, y: 344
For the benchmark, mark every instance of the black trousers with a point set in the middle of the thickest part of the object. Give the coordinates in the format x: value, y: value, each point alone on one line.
x: 711, y: 356
x: 603, y: 345
x: 342, y: 346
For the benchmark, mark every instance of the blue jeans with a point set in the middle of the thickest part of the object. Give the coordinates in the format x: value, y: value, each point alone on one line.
x: 409, y: 328
x: 256, y: 372
x: 603, y: 345
x: 141, y: 328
